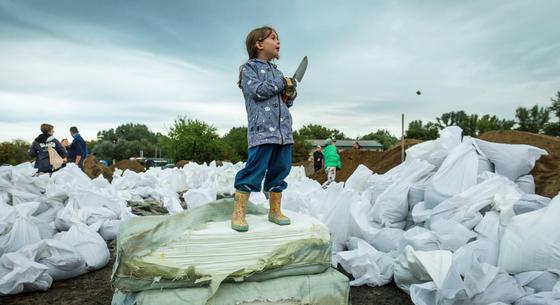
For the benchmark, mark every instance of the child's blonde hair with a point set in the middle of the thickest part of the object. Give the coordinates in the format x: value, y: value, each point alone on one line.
x: 256, y: 35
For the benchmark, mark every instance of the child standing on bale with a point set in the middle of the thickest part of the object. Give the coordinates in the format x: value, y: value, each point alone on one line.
x: 268, y: 95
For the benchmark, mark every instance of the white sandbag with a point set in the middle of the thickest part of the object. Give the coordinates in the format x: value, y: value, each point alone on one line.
x: 391, y: 207
x: 386, y: 239
x: 539, y: 281
x: 63, y: 260
x: 529, y: 242
x: 530, y: 202
x: 457, y: 173
x: 420, y: 239
x: 359, y: 178
x: 511, y: 160
x: 88, y: 243
x: 420, y: 213
x: 417, y: 191
x: 25, y: 229
x: 170, y: 200
x: 334, y: 212
x: 504, y: 200
x: 464, y: 206
x: 415, y: 267
x: 436, y: 151
x: 110, y: 228
x: 541, y: 298
x: 451, y: 234
x: 197, y: 197
x: 470, y: 282
x: 366, y: 264
x: 20, y: 274
x: 526, y: 184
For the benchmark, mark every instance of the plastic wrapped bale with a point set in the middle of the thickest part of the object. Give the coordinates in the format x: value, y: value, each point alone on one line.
x: 198, y: 248
x: 327, y: 288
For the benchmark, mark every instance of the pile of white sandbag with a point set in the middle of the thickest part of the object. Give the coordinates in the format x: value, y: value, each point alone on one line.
x: 53, y: 227
x: 457, y: 223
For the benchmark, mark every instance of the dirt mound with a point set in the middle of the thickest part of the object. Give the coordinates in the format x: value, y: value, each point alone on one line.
x: 132, y: 165
x: 181, y: 163
x: 94, y: 168
x: 378, y: 162
x: 547, y: 168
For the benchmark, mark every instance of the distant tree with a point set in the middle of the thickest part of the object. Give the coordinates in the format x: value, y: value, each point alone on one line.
x: 533, y: 119
x: 236, y: 139
x: 14, y: 152
x: 468, y: 123
x: 129, y: 132
x: 301, y: 149
x: 553, y: 128
x: 193, y: 140
x: 383, y: 136
x: 416, y: 130
x: 489, y: 123
x: 315, y: 131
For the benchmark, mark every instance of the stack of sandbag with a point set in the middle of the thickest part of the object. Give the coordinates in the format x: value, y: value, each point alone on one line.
x: 196, y: 256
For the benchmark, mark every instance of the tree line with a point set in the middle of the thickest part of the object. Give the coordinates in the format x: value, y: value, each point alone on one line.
x: 195, y: 140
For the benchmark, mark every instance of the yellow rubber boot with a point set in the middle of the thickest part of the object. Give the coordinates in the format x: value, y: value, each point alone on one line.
x: 274, y: 213
x: 238, y: 222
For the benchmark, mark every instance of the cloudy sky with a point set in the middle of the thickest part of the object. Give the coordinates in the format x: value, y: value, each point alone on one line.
x: 98, y: 64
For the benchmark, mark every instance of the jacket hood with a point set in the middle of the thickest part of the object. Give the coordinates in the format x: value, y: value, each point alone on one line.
x: 44, y: 138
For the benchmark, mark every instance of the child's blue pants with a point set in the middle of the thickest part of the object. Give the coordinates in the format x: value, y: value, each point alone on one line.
x: 269, y: 161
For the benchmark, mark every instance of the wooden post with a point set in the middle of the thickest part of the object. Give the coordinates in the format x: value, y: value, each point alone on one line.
x: 402, y: 138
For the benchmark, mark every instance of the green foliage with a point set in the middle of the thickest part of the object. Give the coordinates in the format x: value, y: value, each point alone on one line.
x: 553, y: 128
x: 14, y: 152
x: 382, y: 136
x: 194, y: 140
x: 129, y: 132
x: 301, y: 148
x: 236, y: 139
x: 315, y: 131
x: 533, y: 119
x: 488, y: 123
x: 416, y: 130
x: 461, y: 119
x: 555, y: 107
x: 126, y: 141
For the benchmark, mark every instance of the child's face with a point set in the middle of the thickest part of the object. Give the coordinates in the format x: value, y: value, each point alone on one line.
x: 270, y: 47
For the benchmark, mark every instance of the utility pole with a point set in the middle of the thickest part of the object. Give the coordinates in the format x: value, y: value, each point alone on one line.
x: 402, y: 137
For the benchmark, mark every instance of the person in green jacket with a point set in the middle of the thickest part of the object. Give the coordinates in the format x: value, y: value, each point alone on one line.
x: 332, y: 161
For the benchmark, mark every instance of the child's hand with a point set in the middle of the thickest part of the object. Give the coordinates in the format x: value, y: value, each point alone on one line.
x: 290, y: 90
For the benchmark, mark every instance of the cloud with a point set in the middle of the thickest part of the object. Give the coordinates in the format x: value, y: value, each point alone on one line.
x: 101, y: 64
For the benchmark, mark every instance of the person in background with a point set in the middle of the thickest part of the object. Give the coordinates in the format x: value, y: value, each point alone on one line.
x: 332, y: 161
x: 47, y: 161
x: 78, y: 148
x: 356, y: 145
x: 318, y: 159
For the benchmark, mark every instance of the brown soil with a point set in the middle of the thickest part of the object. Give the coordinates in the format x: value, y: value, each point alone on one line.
x: 94, y: 168
x: 547, y: 168
x: 181, y: 163
x: 378, y: 162
x: 132, y: 165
